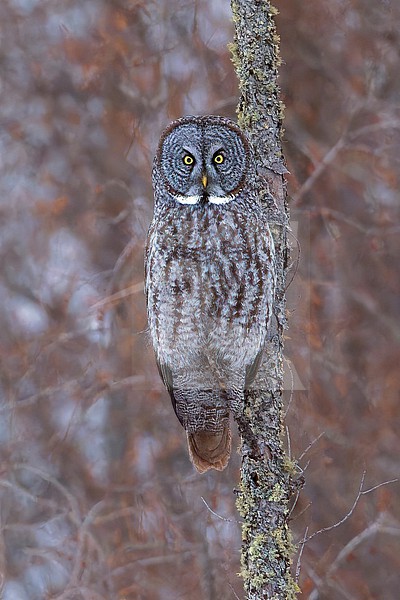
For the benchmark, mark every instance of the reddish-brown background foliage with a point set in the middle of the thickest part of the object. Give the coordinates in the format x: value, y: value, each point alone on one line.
x: 98, y: 497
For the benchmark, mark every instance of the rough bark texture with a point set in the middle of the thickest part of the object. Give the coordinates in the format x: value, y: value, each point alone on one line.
x: 266, y: 474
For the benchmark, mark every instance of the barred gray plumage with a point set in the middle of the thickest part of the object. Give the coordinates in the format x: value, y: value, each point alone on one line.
x: 209, y: 278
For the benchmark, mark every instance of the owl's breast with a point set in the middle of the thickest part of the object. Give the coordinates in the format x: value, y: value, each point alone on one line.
x: 208, y: 273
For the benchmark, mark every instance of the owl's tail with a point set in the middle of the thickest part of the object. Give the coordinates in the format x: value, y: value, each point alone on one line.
x: 210, y: 450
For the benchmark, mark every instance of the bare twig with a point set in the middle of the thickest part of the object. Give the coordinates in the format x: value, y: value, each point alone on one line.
x: 320, y: 168
x: 302, y: 511
x: 294, y: 504
x: 233, y: 591
x: 347, y: 515
x: 298, y: 564
x: 318, y: 582
x: 72, y: 501
x: 216, y: 514
x: 379, y: 485
x: 345, y: 139
x: 375, y: 527
x: 289, y: 445
x: 112, y: 299
x: 310, y: 445
x: 326, y: 213
x: 360, y: 493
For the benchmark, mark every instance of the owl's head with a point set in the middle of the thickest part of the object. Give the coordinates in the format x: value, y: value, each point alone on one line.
x: 203, y: 160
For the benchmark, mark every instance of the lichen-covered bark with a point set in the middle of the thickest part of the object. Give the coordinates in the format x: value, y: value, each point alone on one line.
x: 266, y: 475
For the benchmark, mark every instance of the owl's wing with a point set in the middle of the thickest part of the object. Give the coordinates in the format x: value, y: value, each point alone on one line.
x: 251, y: 370
x: 149, y: 241
x: 146, y: 258
x: 166, y: 376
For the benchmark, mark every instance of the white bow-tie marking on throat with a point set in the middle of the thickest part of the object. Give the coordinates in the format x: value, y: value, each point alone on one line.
x: 220, y: 199
x: 197, y: 199
x: 188, y: 199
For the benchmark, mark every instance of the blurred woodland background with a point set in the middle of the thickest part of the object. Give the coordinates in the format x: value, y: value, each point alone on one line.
x: 98, y: 498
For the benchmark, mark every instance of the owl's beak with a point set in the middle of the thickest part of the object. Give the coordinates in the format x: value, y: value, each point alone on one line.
x: 204, y: 180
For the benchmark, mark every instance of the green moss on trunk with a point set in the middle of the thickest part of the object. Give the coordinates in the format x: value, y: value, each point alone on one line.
x: 266, y: 475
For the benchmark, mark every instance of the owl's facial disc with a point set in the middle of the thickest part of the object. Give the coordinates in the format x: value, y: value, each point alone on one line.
x: 203, y: 163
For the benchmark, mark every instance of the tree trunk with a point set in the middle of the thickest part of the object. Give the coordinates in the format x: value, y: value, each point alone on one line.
x: 266, y: 473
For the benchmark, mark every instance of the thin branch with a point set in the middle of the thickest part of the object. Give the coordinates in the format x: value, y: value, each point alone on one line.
x: 294, y: 504
x: 375, y: 527
x: 347, y: 516
x: 289, y: 450
x: 217, y: 515
x: 339, y: 589
x: 367, y: 230
x: 72, y: 501
x: 70, y: 386
x: 233, y: 591
x: 298, y: 564
x: 360, y: 493
x: 112, y: 299
x: 302, y: 511
x: 131, y: 380
x: 320, y: 168
x: 127, y: 511
x: 317, y: 581
x: 374, y: 127
x: 310, y: 445
x: 345, y: 138
x: 379, y: 485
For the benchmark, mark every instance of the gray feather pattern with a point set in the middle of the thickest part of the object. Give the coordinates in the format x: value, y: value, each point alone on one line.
x: 210, y: 275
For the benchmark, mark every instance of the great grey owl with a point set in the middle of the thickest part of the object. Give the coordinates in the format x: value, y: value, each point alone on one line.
x: 209, y: 278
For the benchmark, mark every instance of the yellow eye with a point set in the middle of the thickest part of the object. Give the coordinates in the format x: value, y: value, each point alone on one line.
x: 219, y: 159
x: 188, y: 160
